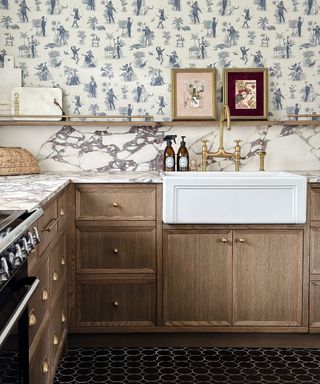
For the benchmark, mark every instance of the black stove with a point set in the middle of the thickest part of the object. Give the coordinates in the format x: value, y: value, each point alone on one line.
x: 18, y: 239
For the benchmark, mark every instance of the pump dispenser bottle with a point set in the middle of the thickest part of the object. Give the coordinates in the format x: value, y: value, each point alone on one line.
x: 169, y: 154
x: 183, y: 156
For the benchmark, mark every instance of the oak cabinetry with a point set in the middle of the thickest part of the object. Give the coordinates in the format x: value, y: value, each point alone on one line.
x: 249, y: 279
x: 314, y: 224
x: 115, y: 257
x: 47, y: 308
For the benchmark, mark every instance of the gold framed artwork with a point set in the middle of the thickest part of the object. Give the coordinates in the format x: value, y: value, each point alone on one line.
x: 193, y: 94
x: 245, y: 90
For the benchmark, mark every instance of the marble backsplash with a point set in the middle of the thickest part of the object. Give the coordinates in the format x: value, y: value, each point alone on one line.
x: 140, y: 148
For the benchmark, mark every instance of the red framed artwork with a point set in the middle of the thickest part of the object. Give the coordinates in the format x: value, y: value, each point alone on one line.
x: 246, y: 93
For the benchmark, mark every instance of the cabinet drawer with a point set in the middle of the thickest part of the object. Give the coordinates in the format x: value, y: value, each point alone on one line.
x: 116, y: 248
x: 314, y: 304
x: 58, y: 326
x: 315, y: 250
x: 40, y: 362
x: 315, y: 204
x: 39, y: 302
x: 120, y: 202
x: 115, y: 304
x: 62, y: 210
x: 57, y: 267
x: 47, y: 226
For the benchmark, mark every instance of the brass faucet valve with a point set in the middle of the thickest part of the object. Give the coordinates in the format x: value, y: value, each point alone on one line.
x: 262, y: 155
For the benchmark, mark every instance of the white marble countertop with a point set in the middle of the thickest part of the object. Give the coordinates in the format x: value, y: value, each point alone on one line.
x: 30, y: 191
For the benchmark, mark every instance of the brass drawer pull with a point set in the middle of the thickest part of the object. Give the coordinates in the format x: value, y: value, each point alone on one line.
x: 116, y: 303
x: 116, y: 205
x: 32, y: 319
x: 63, y: 261
x: 61, y: 212
x: 45, y: 367
x: 240, y: 240
x: 224, y: 240
x: 49, y: 227
x: 55, y: 339
x: 45, y: 295
x: 115, y: 250
x: 63, y: 317
x: 55, y: 276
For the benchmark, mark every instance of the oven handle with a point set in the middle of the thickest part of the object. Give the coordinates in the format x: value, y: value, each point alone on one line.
x: 17, y: 313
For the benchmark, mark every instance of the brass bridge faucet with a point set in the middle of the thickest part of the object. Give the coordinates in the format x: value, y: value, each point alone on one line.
x: 236, y: 155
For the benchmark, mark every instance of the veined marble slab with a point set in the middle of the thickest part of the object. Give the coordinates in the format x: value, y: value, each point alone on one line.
x: 27, y: 192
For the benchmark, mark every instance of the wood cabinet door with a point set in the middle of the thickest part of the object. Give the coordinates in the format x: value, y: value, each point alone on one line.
x: 197, y: 277
x: 268, y: 278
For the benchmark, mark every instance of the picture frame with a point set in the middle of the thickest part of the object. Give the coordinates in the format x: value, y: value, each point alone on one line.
x: 193, y: 94
x: 245, y: 90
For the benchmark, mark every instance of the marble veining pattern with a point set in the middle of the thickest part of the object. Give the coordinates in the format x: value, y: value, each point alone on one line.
x: 141, y: 148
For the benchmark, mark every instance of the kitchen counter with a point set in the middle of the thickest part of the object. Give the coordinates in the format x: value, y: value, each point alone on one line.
x: 30, y: 191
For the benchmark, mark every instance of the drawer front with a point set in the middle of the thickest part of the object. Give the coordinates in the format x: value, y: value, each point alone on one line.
x: 115, y: 304
x: 314, y: 304
x: 47, y: 226
x: 315, y: 204
x: 39, y: 303
x: 62, y: 211
x: 57, y: 267
x: 116, y: 248
x: 58, y: 325
x: 40, y: 369
x: 121, y: 202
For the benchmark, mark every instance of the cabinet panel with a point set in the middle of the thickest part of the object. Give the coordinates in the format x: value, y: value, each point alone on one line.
x: 62, y: 210
x: 39, y: 366
x: 120, y: 202
x: 115, y: 304
x: 315, y: 304
x: 197, y: 277
x: 48, y: 226
x: 315, y: 250
x: 58, y: 325
x: 116, y: 248
x: 57, y: 267
x: 268, y: 276
x: 315, y: 204
x: 39, y: 302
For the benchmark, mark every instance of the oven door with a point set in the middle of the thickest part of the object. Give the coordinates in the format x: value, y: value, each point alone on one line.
x: 14, y: 338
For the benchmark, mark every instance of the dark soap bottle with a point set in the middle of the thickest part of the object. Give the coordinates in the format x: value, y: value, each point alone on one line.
x: 169, y: 158
x: 183, y: 156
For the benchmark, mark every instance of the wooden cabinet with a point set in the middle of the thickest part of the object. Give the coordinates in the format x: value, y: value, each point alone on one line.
x: 115, y: 257
x: 48, y: 307
x: 197, y: 277
x: 241, y: 279
x: 314, y: 236
x: 268, y: 278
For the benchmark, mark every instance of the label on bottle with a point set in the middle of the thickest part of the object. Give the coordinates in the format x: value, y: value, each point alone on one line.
x: 183, y: 162
x: 169, y: 162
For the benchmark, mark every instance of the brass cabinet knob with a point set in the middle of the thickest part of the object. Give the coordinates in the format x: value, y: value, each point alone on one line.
x: 45, y: 366
x: 116, y: 303
x: 55, y: 339
x: 32, y: 319
x: 116, y: 205
x: 224, y: 240
x: 61, y: 212
x: 45, y: 295
x: 63, y: 261
x: 55, y: 276
x: 240, y: 240
x: 63, y: 317
x: 115, y: 250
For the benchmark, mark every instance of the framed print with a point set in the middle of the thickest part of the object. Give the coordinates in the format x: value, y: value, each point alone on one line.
x: 246, y: 92
x: 193, y: 94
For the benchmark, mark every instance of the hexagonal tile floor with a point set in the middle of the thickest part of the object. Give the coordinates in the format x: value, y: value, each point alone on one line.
x: 189, y: 365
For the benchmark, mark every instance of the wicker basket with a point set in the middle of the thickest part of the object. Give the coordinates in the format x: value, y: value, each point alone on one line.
x: 17, y: 161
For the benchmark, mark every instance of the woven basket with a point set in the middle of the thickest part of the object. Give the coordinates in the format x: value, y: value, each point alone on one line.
x: 17, y: 161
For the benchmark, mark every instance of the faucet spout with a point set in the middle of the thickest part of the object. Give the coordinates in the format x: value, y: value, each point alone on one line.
x: 224, y: 115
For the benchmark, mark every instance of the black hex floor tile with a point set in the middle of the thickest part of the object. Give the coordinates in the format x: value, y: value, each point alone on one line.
x: 189, y: 365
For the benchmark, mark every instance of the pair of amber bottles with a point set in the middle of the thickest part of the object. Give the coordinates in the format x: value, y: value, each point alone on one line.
x: 169, y: 158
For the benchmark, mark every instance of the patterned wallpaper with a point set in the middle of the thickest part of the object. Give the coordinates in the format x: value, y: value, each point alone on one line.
x: 115, y: 56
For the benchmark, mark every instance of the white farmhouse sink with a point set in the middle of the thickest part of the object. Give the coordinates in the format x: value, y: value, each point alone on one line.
x: 234, y: 198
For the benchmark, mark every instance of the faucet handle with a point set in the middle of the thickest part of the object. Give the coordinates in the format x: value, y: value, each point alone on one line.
x: 237, y: 141
x: 204, y: 141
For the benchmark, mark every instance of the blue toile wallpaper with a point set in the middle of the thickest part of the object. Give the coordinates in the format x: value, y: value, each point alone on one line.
x: 115, y: 56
